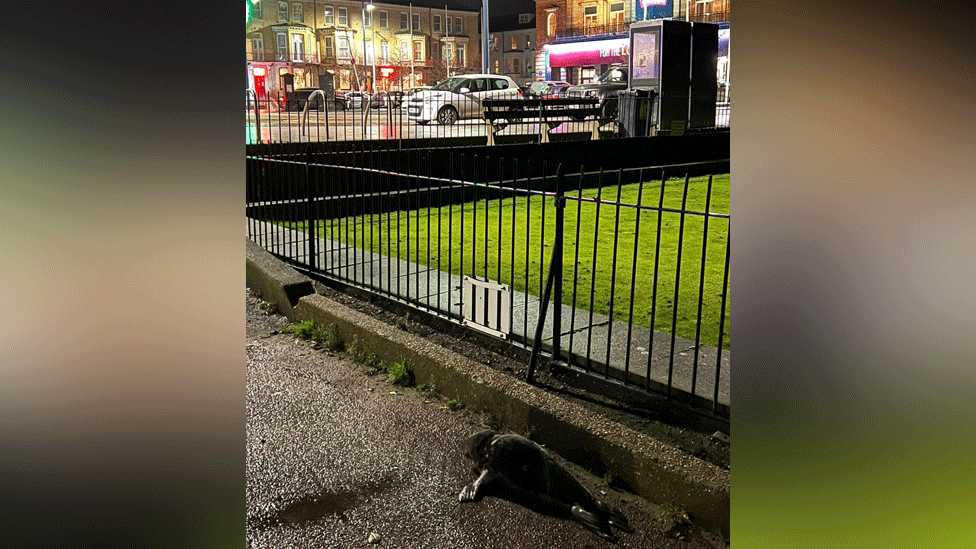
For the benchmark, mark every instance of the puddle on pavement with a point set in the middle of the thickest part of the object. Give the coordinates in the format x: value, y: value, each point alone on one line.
x: 312, y: 508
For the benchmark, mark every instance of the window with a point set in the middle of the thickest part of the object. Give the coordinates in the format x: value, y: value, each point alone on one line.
x: 256, y: 10
x: 298, y: 48
x: 298, y: 13
x: 437, y: 23
x: 524, y: 18
x: 257, y: 47
x: 617, y: 15
x: 344, y: 50
x: 528, y: 42
x: 329, y: 16
x: 329, y: 47
x: 434, y: 51
x: 496, y: 67
x: 404, y: 52
x: 385, y: 51
x: 447, y: 52
x: 418, y: 50
x: 499, y: 84
x: 282, y: 40
x: 494, y: 43
x: 403, y: 20
x: 369, y: 52
x: 516, y: 66
x: 589, y: 17
x: 551, y: 25
x: 342, y: 17
x: 283, y: 11
x: 367, y: 19
x: 460, y: 54
x: 447, y: 25
x: 458, y: 27
x: 384, y: 20
x: 514, y: 44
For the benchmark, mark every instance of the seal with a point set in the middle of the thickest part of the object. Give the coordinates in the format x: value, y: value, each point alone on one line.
x: 514, y: 468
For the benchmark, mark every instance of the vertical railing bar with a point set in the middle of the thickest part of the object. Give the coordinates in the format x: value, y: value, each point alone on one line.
x: 613, y: 271
x: 677, y: 284
x: 417, y: 171
x: 370, y: 202
x: 596, y: 242
x: 701, y: 291
x: 528, y: 232
x: 463, y: 164
x: 576, y: 246
x: 657, y: 263
x: 560, y: 204
x: 721, y: 324
x: 450, y: 229
x: 310, y: 214
x: 633, y: 273
x: 427, y: 257
x: 440, y: 207
x: 474, y: 221
x: 511, y: 277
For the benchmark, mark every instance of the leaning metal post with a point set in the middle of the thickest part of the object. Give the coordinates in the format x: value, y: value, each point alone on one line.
x: 555, y: 274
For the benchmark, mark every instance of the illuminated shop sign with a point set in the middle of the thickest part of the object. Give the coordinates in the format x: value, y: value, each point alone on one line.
x: 578, y: 54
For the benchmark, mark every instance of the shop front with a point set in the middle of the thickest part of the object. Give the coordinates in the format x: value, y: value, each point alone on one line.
x: 584, y: 62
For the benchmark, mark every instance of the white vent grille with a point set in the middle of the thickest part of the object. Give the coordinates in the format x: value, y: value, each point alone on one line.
x: 488, y: 306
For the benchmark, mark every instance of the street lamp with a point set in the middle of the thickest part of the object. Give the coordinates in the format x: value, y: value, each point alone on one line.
x: 369, y: 7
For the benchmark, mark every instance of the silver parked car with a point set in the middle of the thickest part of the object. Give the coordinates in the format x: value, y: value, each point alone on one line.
x: 459, y: 97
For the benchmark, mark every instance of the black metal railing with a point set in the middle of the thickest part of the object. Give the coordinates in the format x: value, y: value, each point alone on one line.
x: 617, y: 274
x: 593, y: 30
x: 345, y: 117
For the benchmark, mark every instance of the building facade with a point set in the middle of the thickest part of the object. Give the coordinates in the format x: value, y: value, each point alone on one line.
x: 409, y: 45
x: 511, y: 47
x: 579, y: 39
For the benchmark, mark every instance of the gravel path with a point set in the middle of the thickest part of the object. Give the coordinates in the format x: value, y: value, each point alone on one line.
x: 334, y: 460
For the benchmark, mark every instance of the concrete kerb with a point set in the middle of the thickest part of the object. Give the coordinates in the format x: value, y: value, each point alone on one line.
x: 274, y: 281
x: 655, y: 471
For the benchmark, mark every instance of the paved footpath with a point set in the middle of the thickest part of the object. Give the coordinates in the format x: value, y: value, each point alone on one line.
x: 333, y: 457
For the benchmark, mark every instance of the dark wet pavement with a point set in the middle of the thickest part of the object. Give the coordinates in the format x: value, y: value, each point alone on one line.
x: 333, y: 457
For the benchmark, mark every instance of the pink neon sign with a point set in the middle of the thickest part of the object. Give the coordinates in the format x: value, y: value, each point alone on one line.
x: 597, y: 52
x: 645, y: 3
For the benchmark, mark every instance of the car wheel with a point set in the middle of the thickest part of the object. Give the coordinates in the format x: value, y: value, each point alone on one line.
x: 610, y: 109
x: 447, y: 116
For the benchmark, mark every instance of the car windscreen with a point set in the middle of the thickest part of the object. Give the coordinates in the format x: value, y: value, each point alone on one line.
x: 614, y: 75
x: 450, y: 84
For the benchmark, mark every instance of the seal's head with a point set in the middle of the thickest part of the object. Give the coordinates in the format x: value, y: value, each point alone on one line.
x: 478, y: 445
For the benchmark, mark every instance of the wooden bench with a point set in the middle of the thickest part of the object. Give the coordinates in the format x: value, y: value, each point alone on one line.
x: 549, y: 111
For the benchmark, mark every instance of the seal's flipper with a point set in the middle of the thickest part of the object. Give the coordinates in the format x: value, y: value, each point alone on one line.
x: 487, y: 484
x: 592, y: 523
x: 616, y: 518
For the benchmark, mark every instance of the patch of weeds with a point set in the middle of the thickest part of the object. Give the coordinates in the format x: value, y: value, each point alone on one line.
x: 358, y: 353
x: 427, y: 390
x: 302, y: 330
x: 399, y: 373
x: 454, y: 404
x: 609, y: 478
x: 489, y: 421
x: 675, y: 519
x: 269, y: 307
x: 328, y: 337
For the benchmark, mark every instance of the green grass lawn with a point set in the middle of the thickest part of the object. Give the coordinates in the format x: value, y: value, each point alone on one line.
x: 527, y: 225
